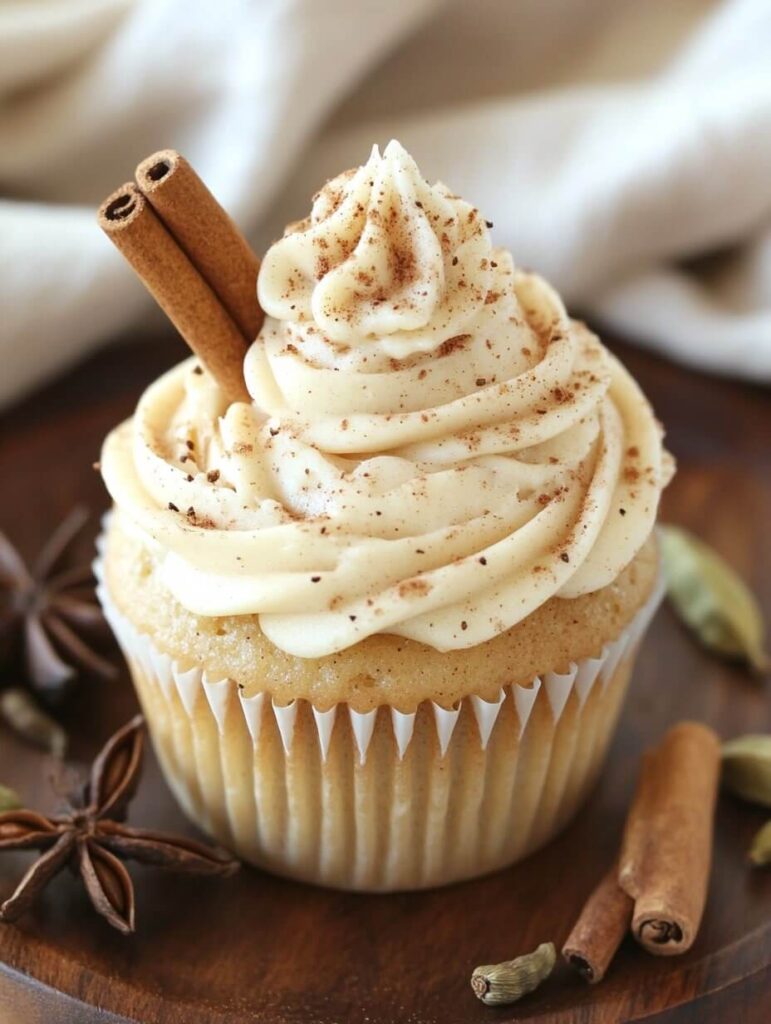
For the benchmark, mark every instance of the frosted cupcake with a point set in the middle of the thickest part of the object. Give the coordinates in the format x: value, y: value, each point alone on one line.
x: 381, y: 619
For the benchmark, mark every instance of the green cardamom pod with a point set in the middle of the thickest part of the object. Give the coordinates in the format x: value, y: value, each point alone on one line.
x: 712, y: 599
x: 760, y: 851
x: 498, y: 984
x: 747, y: 768
x: 9, y: 799
x: 22, y: 713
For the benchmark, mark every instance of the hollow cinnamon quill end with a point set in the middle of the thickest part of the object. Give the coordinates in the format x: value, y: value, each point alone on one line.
x: 577, y: 959
x: 120, y: 208
x: 663, y: 935
x: 157, y: 168
x: 599, y: 930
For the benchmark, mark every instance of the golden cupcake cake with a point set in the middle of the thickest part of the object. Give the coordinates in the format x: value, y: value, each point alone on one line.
x: 381, y: 618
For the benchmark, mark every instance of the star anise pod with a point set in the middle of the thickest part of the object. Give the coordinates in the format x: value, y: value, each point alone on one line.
x: 44, y: 608
x: 90, y: 838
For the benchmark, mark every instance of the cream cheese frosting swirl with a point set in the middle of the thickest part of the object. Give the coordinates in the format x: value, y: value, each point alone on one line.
x: 433, y: 448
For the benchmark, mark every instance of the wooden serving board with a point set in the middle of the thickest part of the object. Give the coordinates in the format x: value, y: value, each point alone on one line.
x: 259, y: 949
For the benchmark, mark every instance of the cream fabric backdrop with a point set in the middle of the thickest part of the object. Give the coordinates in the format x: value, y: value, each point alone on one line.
x: 615, y: 144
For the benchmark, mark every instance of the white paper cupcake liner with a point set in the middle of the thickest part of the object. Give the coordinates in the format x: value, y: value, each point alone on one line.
x: 380, y: 800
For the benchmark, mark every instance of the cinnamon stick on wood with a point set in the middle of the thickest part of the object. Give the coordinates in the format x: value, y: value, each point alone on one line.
x: 206, y: 233
x: 190, y: 303
x: 667, y: 847
x: 600, y: 929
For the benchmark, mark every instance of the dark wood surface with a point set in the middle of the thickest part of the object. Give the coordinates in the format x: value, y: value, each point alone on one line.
x: 256, y: 948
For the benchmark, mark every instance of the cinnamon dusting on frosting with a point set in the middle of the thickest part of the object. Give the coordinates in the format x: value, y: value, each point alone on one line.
x: 431, y: 442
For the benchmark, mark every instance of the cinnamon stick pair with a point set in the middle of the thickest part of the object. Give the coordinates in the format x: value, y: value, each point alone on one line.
x: 193, y: 260
x: 659, y: 885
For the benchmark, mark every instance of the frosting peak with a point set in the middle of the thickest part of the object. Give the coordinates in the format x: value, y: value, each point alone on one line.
x: 383, y: 254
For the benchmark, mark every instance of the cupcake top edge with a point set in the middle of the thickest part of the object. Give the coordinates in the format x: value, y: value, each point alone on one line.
x: 433, y: 448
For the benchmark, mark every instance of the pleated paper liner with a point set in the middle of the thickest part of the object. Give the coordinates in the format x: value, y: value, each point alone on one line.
x: 381, y: 800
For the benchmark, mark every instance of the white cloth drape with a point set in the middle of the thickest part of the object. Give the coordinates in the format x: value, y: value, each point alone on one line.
x: 616, y: 145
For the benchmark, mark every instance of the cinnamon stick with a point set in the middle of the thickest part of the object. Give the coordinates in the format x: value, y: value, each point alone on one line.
x: 206, y: 233
x: 600, y: 929
x: 179, y: 289
x: 666, y: 852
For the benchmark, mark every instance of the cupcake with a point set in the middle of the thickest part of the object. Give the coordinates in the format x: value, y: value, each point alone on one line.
x: 381, y: 619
